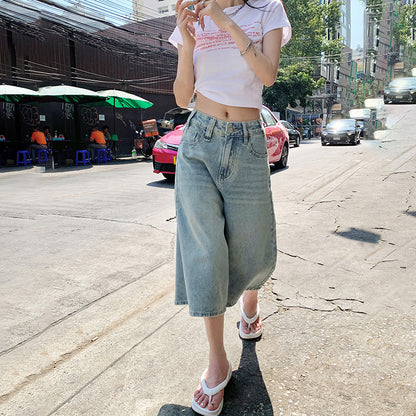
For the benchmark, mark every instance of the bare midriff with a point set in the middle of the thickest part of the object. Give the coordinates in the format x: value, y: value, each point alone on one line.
x: 225, y: 112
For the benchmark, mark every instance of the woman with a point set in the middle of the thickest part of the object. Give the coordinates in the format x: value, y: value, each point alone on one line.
x: 226, y: 246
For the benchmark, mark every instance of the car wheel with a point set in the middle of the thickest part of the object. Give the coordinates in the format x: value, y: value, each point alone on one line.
x: 170, y: 177
x: 282, y: 163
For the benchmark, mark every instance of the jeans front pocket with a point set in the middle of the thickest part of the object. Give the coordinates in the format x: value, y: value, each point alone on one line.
x: 258, y: 143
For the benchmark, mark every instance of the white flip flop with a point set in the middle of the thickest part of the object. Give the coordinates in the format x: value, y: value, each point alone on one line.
x: 249, y: 321
x: 210, y: 392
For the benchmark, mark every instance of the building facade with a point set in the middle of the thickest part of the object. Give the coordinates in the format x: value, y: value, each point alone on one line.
x: 379, y: 50
x: 334, y: 96
x: 151, y: 9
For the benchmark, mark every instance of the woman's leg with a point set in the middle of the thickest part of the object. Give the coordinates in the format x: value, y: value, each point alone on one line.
x: 218, y: 363
x: 250, y: 309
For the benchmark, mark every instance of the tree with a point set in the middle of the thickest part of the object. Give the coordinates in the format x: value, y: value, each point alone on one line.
x: 362, y: 91
x: 315, y: 39
x: 314, y: 30
x: 294, y: 83
x: 404, y: 27
x: 332, y: 46
x: 308, y: 30
x: 374, y: 9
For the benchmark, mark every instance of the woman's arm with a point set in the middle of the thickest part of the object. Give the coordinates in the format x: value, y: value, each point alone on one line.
x: 264, y: 63
x: 183, y: 87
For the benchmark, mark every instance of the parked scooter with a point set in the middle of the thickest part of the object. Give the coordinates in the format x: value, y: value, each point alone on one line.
x: 307, y: 133
x: 146, y: 138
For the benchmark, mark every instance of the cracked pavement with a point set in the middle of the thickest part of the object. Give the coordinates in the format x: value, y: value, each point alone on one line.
x: 88, y: 324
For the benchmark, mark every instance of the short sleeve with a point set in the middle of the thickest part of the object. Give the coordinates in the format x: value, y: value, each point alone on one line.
x: 176, y: 38
x: 275, y: 17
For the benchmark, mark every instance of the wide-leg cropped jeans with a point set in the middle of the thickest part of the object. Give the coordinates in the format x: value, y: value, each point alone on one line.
x: 226, y: 235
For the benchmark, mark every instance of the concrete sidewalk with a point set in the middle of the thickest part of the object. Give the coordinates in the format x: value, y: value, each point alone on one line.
x: 101, y: 336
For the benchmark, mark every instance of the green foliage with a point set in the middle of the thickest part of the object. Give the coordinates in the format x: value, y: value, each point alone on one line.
x: 308, y: 28
x: 332, y: 46
x: 362, y: 92
x: 375, y: 10
x: 332, y: 17
x: 333, y: 50
x: 293, y: 85
x: 404, y: 24
x: 314, y: 30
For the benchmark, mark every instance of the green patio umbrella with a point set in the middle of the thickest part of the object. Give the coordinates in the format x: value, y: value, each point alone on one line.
x: 122, y: 99
x: 13, y: 94
x: 69, y: 94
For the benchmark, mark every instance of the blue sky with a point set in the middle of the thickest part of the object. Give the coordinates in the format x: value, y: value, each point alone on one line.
x: 357, y: 18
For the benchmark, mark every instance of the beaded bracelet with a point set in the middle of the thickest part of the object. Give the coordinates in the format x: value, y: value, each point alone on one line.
x: 247, y: 48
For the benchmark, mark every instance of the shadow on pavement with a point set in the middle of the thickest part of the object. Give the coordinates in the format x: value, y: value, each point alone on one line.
x: 412, y: 213
x: 360, y: 235
x: 245, y: 395
x: 274, y: 169
x: 162, y: 184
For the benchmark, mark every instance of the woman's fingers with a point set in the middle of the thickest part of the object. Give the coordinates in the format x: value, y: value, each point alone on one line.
x: 181, y: 5
x: 186, y: 17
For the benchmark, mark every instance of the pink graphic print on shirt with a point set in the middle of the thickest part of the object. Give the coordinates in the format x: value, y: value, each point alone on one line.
x: 215, y: 40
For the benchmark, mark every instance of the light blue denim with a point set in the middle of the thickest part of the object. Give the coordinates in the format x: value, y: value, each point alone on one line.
x: 226, y: 236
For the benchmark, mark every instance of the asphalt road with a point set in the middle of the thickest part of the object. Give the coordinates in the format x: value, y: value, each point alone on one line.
x: 87, y: 321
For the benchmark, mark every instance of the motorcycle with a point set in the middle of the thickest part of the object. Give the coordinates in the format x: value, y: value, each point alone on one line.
x: 307, y: 133
x: 146, y: 138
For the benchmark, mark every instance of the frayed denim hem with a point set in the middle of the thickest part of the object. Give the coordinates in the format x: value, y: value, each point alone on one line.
x: 200, y: 314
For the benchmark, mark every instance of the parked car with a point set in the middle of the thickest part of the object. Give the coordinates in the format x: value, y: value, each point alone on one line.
x: 294, y: 135
x: 341, y: 131
x: 173, y: 118
x: 166, y: 148
x: 401, y: 90
x: 362, y: 116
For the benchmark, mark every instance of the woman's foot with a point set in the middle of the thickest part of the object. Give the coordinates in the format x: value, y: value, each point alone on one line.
x: 249, y: 305
x: 214, y: 375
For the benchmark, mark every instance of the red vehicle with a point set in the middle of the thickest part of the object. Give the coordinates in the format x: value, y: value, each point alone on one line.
x: 166, y: 148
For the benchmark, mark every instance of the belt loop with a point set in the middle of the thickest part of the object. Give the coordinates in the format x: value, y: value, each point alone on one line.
x: 193, y: 112
x: 210, y: 129
x: 246, y: 131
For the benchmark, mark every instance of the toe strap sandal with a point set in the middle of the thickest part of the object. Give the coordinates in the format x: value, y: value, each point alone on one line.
x: 210, y: 392
x: 249, y: 321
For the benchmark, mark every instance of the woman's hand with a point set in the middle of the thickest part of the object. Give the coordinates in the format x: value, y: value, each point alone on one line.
x: 212, y: 9
x: 185, y: 21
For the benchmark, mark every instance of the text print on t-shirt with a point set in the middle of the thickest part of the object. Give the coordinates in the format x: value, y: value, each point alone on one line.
x: 210, y: 40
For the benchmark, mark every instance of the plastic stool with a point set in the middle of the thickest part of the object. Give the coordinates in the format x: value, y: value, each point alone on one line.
x: 109, y: 154
x: 24, y: 159
x: 42, y: 156
x: 82, y: 156
x: 102, y: 156
x: 57, y: 157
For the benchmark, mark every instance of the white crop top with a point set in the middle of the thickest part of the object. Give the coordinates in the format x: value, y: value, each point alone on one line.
x: 221, y: 74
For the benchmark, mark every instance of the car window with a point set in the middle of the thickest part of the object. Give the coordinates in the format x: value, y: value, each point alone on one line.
x: 267, y: 118
x: 403, y: 83
x: 340, y: 124
x: 287, y: 124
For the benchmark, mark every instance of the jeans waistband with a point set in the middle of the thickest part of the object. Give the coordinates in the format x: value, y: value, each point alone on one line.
x: 208, y: 123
